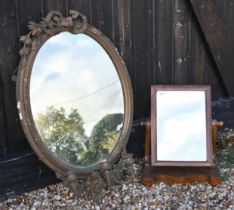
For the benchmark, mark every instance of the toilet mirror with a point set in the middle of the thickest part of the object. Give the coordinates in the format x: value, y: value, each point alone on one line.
x: 181, y: 125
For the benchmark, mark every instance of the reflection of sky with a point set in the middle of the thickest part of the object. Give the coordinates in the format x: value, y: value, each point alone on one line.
x: 74, y: 71
x: 181, y: 126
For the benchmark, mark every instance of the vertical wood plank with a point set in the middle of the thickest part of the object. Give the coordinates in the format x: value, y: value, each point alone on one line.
x: 150, y: 49
x: 139, y: 80
x: 107, y: 23
x: 125, y: 34
x: 154, y: 38
x: 82, y: 6
x: 3, y: 140
x: 181, y: 41
x: 97, y: 14
x: 140, y: 57
x: 28, y: 10
x: 214, y: 79
x: 125, y: 30
x: 115, y: 24
x: 226, y: 12
x: 62, y: 6
x: 164, y: 34
x: 197, y: 70
x: 9, y: 59
x: 59, y: 5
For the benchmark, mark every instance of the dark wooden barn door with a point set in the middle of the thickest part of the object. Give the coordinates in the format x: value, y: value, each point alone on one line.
x: 218, y: 39
x: 161, y: 42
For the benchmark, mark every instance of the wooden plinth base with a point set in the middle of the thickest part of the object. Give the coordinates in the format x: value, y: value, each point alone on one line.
x: 153, y: 174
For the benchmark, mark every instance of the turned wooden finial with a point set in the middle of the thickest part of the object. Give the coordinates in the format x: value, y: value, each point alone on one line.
x: 215, y: 124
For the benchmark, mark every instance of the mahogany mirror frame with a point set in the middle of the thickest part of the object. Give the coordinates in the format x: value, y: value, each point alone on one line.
x: 39, y: 33
x: 209, y: 152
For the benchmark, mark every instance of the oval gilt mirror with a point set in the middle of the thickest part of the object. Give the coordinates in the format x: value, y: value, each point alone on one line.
x: 72, y: 85
x: 74, y: 94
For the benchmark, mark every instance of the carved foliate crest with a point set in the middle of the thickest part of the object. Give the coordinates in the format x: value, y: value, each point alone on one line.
x: 51, y: 25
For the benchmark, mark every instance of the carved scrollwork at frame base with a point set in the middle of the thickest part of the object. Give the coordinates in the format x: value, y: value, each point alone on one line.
x: 123, y: 171
x: 95, y: 185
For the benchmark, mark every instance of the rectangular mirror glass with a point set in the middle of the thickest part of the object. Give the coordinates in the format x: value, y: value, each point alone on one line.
x: 181, y: 125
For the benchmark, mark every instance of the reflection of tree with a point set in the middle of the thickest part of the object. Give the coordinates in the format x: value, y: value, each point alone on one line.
x: 64, y: 135
x: 103, y: 136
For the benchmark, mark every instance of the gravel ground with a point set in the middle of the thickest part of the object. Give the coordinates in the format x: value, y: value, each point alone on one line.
x: 137, y: 196
x: 133, y: 196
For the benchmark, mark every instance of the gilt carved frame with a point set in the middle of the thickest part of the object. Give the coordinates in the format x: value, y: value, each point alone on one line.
x: 39, y: 33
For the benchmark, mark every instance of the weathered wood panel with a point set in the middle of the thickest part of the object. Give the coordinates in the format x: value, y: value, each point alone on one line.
x: 161, y: 42
x: 218, y: 39
x: 26, y: 11
x: 3, y: 146
x: 181, y: 42
x: 198, y: 55
x: 23, y: 172
x: 59, y: 5
x: 9, y: 58
x: 164, y: 42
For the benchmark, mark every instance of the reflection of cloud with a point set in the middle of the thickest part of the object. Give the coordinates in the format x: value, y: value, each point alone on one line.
x: 84, y: 43
x: 59, y: 40
x: 65, y: 72
x: 52, y: 76
x: 181, y: 135
x: 175, y: 99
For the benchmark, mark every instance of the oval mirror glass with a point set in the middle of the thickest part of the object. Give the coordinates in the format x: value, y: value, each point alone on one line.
x: 76, y: 98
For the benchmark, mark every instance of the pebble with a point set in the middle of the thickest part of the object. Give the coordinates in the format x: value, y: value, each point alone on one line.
x: 132, y: 196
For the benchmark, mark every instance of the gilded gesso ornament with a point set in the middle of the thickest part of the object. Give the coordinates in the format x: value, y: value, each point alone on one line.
x: 52, y: 24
